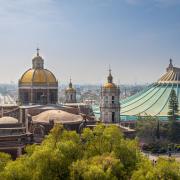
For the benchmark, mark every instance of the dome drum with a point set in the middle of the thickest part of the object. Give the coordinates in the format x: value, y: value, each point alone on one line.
x: 38, y: 85
x: 38, y: 96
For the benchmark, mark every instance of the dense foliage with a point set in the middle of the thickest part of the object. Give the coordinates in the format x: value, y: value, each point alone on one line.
x: 99, y: 154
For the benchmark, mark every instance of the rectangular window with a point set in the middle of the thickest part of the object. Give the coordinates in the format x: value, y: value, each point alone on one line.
x: 113, y: 99
x: 113, y: 117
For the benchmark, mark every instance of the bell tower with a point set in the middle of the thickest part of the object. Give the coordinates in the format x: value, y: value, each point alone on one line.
x: 109, y: 103
x: 70, y: 94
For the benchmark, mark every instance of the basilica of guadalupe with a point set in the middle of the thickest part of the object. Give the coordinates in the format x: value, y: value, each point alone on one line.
x: 38, y: 109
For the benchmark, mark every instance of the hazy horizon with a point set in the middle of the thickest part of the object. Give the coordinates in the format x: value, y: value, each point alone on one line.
x: 80, y: 38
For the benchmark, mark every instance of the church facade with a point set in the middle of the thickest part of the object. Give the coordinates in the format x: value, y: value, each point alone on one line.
x: 38, y: 85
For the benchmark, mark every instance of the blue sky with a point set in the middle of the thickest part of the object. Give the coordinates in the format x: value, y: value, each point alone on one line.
x: 80, y: 38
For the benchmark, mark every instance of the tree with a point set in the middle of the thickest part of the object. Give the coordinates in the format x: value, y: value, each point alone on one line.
x: 158, y: 130
x: 149, y: 129
x: 174, y: 127
x: 101, y: 153
x: 163, y: 169
x: 167, y: 169
x: 103, y: 167
x: 4, y: 159
x: 101, y: 140
x: 145, y: 171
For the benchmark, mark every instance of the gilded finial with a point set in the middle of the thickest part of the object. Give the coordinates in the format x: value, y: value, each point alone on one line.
x: 110, y: 69
x: 110, y: 78
x: 70, y: 83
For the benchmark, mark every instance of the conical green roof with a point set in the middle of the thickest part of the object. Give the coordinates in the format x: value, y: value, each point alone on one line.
x: 154, y: 99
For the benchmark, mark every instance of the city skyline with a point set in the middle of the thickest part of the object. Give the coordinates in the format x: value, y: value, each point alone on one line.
x: 81, y: 38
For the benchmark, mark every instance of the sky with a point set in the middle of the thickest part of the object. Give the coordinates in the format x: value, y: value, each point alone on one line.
x: 81, y: 38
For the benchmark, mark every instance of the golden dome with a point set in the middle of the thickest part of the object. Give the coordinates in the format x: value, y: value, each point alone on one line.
x: 38, y: 76
x: 109, y: 85
x: 70, y: 90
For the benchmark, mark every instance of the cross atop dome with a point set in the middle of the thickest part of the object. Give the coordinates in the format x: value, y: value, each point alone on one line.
x: 37, y: 51
x: 110, y: 69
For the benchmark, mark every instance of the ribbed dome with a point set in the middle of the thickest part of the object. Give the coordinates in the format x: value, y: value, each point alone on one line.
x: 58, y: 116
x: 172, y: 76
x: 38, y: 76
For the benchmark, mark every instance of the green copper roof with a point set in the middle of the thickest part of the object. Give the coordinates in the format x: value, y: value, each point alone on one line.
x: 154, y: 99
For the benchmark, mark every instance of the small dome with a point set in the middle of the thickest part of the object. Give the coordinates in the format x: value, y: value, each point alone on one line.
x: 70, y: 90
x: 8, y: 120
x: 38, y: 76
x: 109, y: 85
x: 58, y: 116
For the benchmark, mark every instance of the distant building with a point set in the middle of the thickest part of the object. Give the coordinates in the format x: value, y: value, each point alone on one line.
x: 38, y: 85
x: 109, y: 104
x: 70, y: 94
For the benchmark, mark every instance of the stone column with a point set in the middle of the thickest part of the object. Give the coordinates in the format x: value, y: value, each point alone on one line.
x: 20, y: 115
x: 26, y: 120
x: 48, y: 100
x: 31, y: 95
